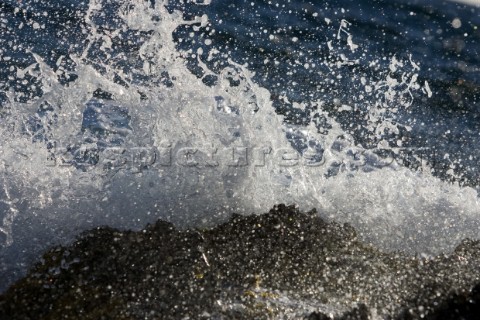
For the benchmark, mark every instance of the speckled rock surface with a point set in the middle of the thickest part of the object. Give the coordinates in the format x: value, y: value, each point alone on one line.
x: 283, y: 264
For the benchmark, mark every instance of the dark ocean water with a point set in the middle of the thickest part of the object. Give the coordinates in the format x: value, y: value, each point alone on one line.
x: 442, y: 37
x: 297, y: 50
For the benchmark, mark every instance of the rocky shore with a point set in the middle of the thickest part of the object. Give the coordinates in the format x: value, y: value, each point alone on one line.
x: 284, y: 264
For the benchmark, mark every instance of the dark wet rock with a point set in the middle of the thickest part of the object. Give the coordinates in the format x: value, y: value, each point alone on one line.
x: 318, y: 316
x: 459, y: 306
x: 282, y: 264
x: 463, y: 305
x: 358, y: 313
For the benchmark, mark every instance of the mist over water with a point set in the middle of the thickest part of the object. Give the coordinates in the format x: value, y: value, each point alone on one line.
x: 123, y: 113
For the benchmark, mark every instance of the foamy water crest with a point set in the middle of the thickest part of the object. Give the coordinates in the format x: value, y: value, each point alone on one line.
x: 136, y: 137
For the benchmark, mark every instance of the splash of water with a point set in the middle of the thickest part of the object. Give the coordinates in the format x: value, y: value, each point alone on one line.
x: 132, y: 136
